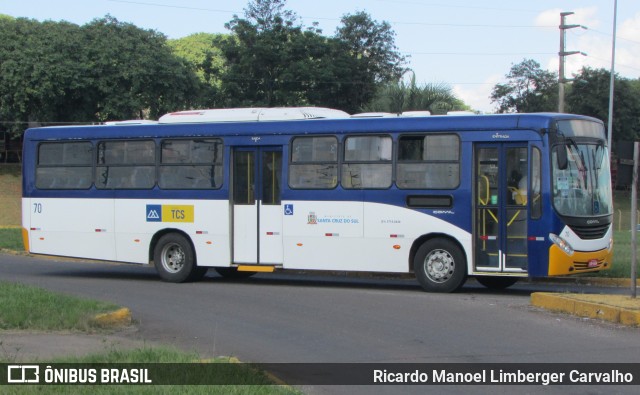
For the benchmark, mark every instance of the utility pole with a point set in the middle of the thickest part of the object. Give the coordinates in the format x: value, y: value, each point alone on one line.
x: 563, y: 54
x: 612, y: 78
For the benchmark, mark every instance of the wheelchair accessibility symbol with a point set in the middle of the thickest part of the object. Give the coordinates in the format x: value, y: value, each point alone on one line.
x: 288, y: 209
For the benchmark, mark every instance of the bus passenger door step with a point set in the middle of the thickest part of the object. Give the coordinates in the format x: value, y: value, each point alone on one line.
x: 256, y: 268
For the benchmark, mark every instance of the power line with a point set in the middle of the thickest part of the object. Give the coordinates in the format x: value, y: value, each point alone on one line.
x: 335, y: 19
x: 480, y: 53
x: 439, y: 5
x: 617, y: 36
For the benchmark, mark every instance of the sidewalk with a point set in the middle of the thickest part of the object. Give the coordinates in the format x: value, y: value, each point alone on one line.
x: 619, y: 309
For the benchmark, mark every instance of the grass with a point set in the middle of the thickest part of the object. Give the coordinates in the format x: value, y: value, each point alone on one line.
x: 27, y: 307
x: 30, y: 308
x: 10, y: 194
x: 11, y: 239
x: 245, y: 379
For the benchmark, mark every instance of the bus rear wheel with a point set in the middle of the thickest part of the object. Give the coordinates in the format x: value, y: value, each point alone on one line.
x: 440, y: 266
x: 497, y: 282
x: 175, y: 259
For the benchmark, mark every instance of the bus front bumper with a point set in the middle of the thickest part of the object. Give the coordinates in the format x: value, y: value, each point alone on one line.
x: 580, y: 262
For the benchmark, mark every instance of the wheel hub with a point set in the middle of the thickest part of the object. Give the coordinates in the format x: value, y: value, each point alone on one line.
x: 173, y: 258
x: 439, y: 266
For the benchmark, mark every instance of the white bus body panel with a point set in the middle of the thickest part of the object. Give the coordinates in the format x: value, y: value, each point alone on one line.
x: 245, y: 233
x: 271, y: 247
x: 315, y: 235
x: 71, y: 227
x: 118, y: 229
x: 358, y: 236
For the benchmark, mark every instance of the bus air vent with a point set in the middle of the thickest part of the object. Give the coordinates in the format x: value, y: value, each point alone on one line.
x: 590, y: 232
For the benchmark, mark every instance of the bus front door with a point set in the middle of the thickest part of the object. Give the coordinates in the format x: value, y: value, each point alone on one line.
x: 501, y: 209
x: 257, y: 212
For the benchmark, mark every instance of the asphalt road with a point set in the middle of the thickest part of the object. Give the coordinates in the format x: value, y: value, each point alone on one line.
x: 306, y: 318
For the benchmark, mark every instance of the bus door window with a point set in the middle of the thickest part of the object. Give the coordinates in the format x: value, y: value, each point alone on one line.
x: 487, y: 213
x: 501, y: 199
x: 271, y: 169
x: 244, y: 178
x: 516, y: 209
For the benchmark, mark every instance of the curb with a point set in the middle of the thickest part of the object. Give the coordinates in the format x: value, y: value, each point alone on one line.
x: 595, y: 281
x: 614, y: 308
x: 118, y: 318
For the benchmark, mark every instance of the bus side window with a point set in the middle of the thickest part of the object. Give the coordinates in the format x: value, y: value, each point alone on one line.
x: 428, y: 162
x: 314, y: 163
x: 191, y: 164
x: 65, y: 165
x: 534, y: 187
x: 126, y: 164
x: 367, y: 162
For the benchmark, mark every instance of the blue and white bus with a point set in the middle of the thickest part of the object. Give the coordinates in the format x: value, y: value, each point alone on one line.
x: 495, y: 197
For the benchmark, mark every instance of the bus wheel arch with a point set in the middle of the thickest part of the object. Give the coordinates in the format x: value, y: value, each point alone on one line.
x: 174, y: 256
x: 439, y: 263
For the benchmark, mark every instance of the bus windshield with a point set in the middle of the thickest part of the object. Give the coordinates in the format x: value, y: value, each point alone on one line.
x: 584, y: 187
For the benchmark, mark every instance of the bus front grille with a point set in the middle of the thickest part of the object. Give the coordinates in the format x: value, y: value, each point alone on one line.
x: 590, y: 232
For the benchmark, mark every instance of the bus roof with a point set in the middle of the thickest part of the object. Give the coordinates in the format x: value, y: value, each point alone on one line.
x: 252, y: 114
x: 501, y: 122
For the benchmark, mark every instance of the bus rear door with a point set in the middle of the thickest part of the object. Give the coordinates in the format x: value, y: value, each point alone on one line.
x: 257, y: 211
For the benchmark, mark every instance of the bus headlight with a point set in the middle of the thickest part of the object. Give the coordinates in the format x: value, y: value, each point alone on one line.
x: 562, y: 243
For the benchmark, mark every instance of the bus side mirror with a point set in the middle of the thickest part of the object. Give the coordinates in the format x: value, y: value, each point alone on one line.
x: 563, y: 161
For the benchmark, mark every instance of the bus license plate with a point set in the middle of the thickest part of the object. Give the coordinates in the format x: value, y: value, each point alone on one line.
x: 593, y: 263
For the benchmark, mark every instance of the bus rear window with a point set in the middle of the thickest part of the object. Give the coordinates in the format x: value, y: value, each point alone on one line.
x: 64, y: 165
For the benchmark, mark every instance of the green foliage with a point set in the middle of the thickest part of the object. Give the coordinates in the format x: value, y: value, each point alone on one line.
x: 206, y: 59
x: 529, y: 89
x: 148, y: 80
x: 262, y: 58
x: 401, y: 97
x: 589, y: 95
x: 373, y: 44
x: 276, y: 61
x: 105, y: 70
x: 58, y: 72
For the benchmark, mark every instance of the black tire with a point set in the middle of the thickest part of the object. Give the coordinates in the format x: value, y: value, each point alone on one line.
x: 440, y: 266
x: 497, y: 283
x: 232, y: 273
x: 175, y: 259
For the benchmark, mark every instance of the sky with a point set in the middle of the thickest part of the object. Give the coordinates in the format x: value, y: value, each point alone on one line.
x: 469, y: 45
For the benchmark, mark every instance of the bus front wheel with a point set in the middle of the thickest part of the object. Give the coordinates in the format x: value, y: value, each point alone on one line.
x: 175, y: 261
x: 440, y: 266
x: 232, y: 273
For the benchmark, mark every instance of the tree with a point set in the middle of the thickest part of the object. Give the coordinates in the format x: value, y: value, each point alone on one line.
x: 43, y: 75
x: 529, y: 89
x: 373, y: 43
x: 373, y: 58
x: 589, y: 95
x: 206, y: 59
x: 276, y: 61
x: 400, y: 97
x: 261, y: 58
x: 58, y: 72
x: 135, y: 73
